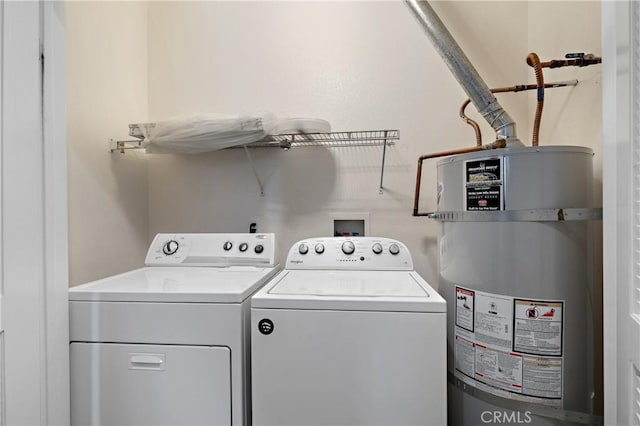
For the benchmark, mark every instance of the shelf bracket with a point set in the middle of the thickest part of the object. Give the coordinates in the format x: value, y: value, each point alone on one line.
x: 384, y: 153
x: 255, y: 172
x: 122, y: 146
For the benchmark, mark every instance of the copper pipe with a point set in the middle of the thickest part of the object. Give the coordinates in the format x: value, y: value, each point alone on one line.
x: 500, y: 143
x: 534, y: 61
x: 518, y: 88
x: 471, y: 122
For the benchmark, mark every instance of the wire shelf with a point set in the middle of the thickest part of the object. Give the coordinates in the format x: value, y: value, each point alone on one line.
x: 361, y: 138
x: 288, y: 140
x: 332, y: 139
x: 139, y: 130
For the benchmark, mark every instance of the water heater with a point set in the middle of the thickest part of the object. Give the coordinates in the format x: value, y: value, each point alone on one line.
x: 516, y: 271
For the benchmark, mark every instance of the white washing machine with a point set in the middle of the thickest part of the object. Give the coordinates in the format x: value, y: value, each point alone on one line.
x: 169, y: 344
x: 348, y: 334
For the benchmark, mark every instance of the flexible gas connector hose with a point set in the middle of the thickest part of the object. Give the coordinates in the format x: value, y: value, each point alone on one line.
x: 534, y: 61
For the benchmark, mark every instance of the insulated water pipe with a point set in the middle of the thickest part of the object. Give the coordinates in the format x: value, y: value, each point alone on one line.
x: 465, y: 73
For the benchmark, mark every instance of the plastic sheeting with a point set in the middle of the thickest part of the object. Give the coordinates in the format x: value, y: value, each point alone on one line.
x: 206, y: 132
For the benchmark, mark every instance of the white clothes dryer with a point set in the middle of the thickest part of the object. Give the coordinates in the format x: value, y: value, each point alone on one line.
x: 348, y: 334
x: 168, y: 344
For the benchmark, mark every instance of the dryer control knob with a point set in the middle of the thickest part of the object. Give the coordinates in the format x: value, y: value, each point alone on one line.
x: 319, y: 248
x: 227, y: 246
x: 259, y: 248
x: 394, y: 249
x: 377, y: 248
x: 170, y: 247
x: 348, y: 247
x: 303, y: 248
x: 243, y: 246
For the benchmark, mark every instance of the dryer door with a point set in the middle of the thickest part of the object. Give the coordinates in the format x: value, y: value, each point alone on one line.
x: 118, y: 384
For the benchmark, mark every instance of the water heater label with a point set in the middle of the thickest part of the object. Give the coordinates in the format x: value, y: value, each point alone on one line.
x: 464, y: 308
x: 493, y: 320
x: 483, y: 181
x: 538, y: 327
x: 509, y: 344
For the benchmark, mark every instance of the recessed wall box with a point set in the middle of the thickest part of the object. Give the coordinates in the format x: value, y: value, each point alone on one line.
x: 349, y: 224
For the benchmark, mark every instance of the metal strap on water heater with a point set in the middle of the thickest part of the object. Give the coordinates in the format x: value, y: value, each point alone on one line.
x: 522, y: 406
x: 528, y: 215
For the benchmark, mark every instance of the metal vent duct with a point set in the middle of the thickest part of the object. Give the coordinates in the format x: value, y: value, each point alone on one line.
x: 465, y: 73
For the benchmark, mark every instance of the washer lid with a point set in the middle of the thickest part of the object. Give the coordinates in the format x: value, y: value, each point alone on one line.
x: 168, y: 284
x: 350, y: 290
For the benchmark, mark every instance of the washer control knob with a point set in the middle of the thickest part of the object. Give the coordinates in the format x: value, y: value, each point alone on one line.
x: 243, y: 247
x: 170, y: 247
x: 227, y: 246
x: 319, y: 248
x: 348, y: 247
x: 303, y: 248
x: 377, y: 248
x: 394, y: 249
x: 259, y: 248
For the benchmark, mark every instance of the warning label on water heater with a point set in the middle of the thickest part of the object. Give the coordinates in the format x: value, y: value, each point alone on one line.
x: 509, y: 343
x: 538, y: 327
x: 464, y: 308
x: 483, y: 181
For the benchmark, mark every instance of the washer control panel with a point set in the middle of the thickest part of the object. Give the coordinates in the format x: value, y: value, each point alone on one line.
x: 345, y: 253
x: 212, y: 250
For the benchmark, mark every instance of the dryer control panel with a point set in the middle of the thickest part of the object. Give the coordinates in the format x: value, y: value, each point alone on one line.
x: 345, y: 253
x: 212, y: 250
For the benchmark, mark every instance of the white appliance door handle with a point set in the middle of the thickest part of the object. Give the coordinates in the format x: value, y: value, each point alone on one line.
x: 139, y: 361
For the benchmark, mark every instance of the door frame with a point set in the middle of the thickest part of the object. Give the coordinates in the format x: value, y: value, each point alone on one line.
x: 33, y: 211
x: 618, y: 209
x: 55, y: 213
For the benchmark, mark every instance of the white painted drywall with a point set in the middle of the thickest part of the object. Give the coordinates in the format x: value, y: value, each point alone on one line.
x: 106, y: 89
x: 360, y: 65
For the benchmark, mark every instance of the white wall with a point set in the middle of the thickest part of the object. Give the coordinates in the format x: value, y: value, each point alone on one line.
x: 571, y: 116
x: 106, y: 89
x: 359, y: 65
